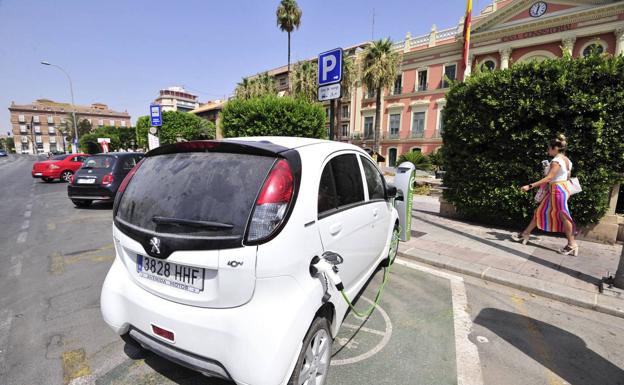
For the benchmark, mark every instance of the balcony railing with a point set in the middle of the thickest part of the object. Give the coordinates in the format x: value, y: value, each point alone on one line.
x: 417, y: 134
x: 422, y: 87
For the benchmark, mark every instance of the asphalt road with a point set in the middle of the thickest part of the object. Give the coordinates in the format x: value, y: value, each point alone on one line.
x: 432, y: 328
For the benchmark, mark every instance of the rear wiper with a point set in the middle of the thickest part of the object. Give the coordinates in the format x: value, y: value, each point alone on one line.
x: 192, y: 223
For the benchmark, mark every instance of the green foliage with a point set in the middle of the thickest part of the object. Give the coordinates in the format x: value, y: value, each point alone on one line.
x: 436, y: 159
x: 418, y: 159
x: 89, y: 142
x: 83, y: 126
x: 176, y: 124
x: 497, y: 126
x: 262, y: 85
x: 272, y: 115
x: 303, y: 80
x: 7, y: 144
x: 288, y: 15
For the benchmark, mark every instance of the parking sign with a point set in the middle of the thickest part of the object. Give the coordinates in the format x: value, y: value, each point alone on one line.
x: 330, y: 67
x: 155, y: 116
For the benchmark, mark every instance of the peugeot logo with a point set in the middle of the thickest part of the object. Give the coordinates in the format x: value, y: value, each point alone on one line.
x: 234, y: 263
x: 155, y: 243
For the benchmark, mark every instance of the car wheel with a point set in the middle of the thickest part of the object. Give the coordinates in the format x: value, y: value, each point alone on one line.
x: 65, y: 175
x: 394, y: 248
x: 315, y: 356
x: 81, y: 202
x: 47, y: 180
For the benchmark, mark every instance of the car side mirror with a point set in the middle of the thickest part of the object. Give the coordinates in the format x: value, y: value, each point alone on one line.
x: 391, y: 191
x: 399, y: 196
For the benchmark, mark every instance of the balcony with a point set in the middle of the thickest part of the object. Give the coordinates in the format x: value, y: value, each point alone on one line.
x: 422, y: 87
x: 390, y: 136
x: 417, y: 134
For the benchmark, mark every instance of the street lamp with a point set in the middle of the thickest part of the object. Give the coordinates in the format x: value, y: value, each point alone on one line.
x: 71, y: 90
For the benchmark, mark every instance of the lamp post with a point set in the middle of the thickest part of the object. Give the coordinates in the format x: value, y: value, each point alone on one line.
x: 71, y: 90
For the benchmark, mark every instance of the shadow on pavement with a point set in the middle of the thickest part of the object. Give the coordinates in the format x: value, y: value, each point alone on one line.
x: 562, y: 352
x: 571, y: 272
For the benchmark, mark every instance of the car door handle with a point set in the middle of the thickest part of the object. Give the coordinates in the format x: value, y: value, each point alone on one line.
x: 375, y: 213
x: 335, y: 228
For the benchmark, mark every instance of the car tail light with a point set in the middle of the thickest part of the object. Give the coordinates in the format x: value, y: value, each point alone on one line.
x: 126, y: 180
x: 272, y: 202
x: 166, y: 334
x: 107, y: 179
x: 71, y: 179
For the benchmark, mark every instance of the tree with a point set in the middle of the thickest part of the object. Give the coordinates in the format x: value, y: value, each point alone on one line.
x: 288, y: 19
x: 418, y: 159
x: 273, y: 116
x: 379, y: 70
x: 83, y: 125
x: 89, y: 142
x: 262, y: 85
x: 303, y: 80
x: 436, y: 159
x: 176, y: 125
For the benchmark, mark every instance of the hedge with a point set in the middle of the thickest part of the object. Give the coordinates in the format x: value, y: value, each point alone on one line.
x: 273, y: 116
x: 498, y: 124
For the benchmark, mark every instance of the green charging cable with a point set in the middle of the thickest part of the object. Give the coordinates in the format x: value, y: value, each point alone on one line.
x: 369, y: 311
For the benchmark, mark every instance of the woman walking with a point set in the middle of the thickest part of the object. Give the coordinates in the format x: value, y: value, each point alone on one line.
x: 552, y: 213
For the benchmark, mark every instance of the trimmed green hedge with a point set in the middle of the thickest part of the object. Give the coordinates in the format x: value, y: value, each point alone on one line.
x: 273, y: 116
x: 498, y: 124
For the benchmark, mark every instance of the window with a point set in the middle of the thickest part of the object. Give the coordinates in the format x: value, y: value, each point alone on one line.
x: 422, y: 81
x: 22, y: 128
x: 418, y: 124
x: 282, y: 81
x: 593, y: 49
x: 52, y: 139
x: 341, y: 184
x: 101, y: 122
x: 395, y: 125
x: 449, y: 74
x: 345, y: 112
x: 37, y: 130
x: 488, y: 65
x: 370, y: 93
x: 24, y: 139
x: 50, y: 120
x: 368, y: 127
x: 62, y: 120
x: 123, y: 123
x: 38, y: 139
x: 440, y: 124
x: 398, y: 85
x: 111, y: 122
x: 21, y: 118
x: 392, y: 157
x: 344, y: 130
x: 416, y: 149
x: 129, y: 163
x: 52, y: 147
x: 374, y: 180
x: 36, y: 118
x: 51, y: 131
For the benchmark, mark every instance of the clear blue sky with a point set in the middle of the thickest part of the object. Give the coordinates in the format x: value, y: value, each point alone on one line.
x: 122, y: 52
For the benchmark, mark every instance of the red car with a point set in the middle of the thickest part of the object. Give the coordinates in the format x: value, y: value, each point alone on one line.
x: 58, y: 167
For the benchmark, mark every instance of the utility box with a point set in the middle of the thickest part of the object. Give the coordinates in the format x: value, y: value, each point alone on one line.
x: 404, y: 182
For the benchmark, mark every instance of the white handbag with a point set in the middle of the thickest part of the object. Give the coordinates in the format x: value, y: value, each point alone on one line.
x: 574, y: 186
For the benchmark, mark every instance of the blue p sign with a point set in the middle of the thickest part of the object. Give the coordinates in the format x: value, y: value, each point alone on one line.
x: 330, y: 67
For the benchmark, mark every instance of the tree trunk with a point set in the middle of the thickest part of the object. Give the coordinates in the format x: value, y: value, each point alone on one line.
x: 377, y: 146
x: 289, y: 55
x: 618, y: 280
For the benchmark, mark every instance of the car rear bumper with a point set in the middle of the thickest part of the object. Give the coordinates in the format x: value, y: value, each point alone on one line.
x: 256, y: 343
x: 90, y: 193
x: 45, y: 174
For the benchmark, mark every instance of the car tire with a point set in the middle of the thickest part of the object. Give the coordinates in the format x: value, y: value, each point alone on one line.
x: 81, y: 202
x: 394, y: 248
x: 65, y: 175
x: 313, y: 363
x: 47, y: 180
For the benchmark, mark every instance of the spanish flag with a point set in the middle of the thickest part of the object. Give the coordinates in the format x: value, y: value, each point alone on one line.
x: 467, y: 22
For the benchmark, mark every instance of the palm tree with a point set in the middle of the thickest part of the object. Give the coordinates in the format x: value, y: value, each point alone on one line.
x: 262, y: 85
x: 303, y: 80
x: 288, y: 19
x: 243, y: 89
x: 379, y: 70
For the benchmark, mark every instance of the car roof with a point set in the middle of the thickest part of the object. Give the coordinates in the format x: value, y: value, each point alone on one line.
x: 118, y: 154
x: 294, y: 143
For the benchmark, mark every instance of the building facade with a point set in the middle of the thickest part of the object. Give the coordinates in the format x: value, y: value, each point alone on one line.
x: 176, y: 99
x: 40, y: 127
x: 211, y: 111
x: 504, y: 33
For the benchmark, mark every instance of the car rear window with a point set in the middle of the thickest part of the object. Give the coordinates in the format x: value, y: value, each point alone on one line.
x: 59, y: 157
x: 209, y: 187
x: 100, y: 162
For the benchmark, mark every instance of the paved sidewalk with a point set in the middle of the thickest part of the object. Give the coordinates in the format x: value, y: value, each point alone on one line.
x: 490, y: 254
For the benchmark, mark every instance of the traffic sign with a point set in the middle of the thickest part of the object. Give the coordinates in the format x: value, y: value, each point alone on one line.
x: 330, y: 67
x: 329, y: 92
x: 155, y: 115
x: 104, y: 142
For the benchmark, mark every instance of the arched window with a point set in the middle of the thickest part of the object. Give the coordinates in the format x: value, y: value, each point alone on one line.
x: 593, y: 49
x: 392, y: 157
x: 416, y: 149
x: 488, y: 64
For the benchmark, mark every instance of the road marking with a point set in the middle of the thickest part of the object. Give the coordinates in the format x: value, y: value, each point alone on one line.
x: 6, y: 316
x: 466, y: 353
x: 26, y: 224
x: 363, y: 329
x: 21, y: 238
x: 51, y: 226
x: 29, y: 206
x: 74, y: 363
x: 16, y: 266
x: 27, y: 214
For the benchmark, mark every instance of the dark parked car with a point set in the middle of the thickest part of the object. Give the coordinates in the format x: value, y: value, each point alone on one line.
x: 100, y: 177
x: 3, y: 153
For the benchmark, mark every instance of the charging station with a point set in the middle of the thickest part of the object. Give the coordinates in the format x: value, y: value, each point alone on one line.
x: 404, y: 182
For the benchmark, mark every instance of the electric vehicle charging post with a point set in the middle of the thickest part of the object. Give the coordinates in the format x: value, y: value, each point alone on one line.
x: 404, y: 180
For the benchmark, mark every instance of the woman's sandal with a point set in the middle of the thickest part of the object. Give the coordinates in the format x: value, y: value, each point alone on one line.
x: 519, y: 237
x: 570, y: 250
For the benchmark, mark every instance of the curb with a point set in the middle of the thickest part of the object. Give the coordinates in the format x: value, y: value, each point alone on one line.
x: 585, y: 299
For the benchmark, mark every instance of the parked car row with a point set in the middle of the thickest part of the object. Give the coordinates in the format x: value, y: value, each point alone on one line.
x: 90, y: 177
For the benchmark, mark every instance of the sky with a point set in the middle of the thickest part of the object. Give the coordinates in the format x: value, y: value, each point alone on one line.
x: 122, y: 52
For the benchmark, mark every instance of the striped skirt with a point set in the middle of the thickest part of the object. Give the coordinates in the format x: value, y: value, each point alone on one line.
x: 553, y: 208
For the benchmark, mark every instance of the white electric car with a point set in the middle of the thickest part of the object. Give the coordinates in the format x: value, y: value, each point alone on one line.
x: 215, y: 242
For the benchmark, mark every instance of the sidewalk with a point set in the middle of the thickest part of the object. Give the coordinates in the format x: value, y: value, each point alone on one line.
x: 489, y: 253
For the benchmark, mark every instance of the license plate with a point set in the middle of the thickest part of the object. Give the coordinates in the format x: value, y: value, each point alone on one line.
x: 182, y: 277
x: 86, y: 181
x: 38, y: 174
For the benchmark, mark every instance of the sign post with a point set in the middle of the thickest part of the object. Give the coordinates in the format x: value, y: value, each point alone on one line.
x: 104, y: 142
x: 329, y: 77
x: 156, y: 121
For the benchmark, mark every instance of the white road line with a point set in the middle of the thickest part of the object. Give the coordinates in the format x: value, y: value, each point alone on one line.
x: 363, y: 329
x: 466, y: 353
x: 29, y: 206
x: 6, y: 316
x: 26, y: 225
x: 21, y: 238
x: 16, y: 266
x: 27, y: 214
